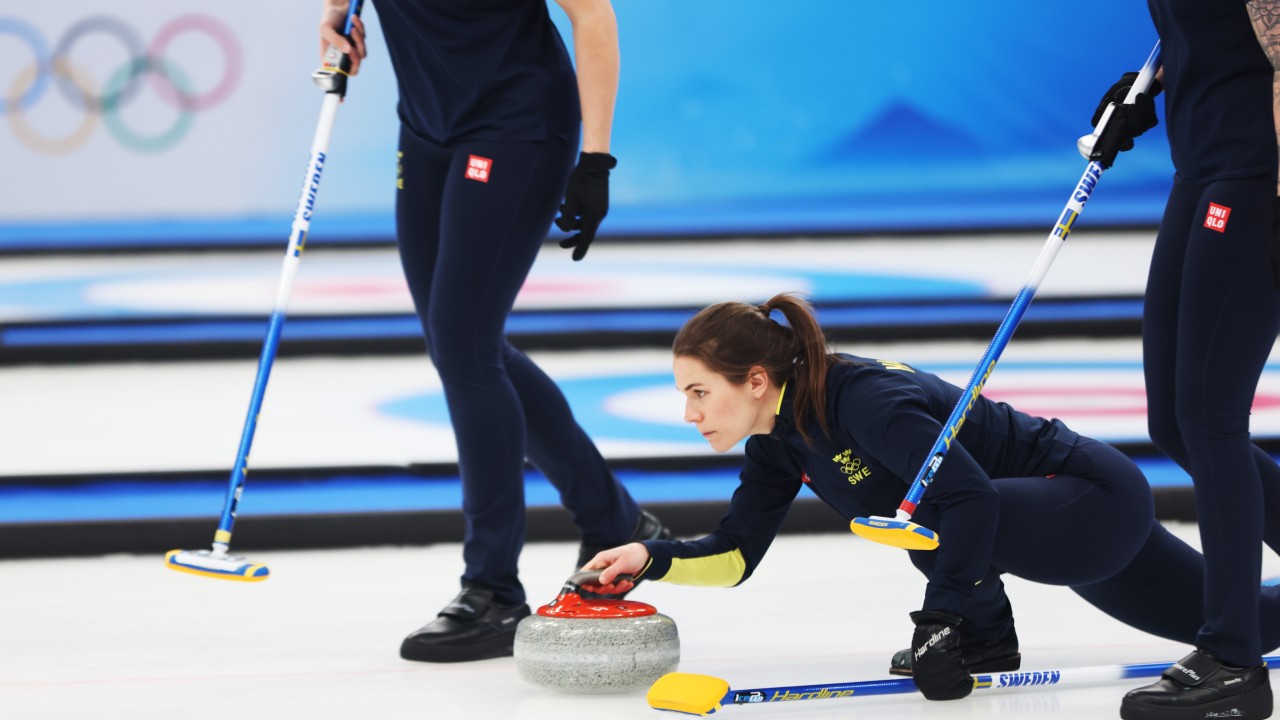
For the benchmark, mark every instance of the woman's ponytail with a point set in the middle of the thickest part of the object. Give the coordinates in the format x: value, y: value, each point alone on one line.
x: 731, y: 338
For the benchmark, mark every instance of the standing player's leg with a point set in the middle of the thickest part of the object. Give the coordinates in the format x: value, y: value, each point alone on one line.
x: 487, y: 244
x: 1160, y: 323
x: 470, y: 627
x: 1228, y: 318
x: 1160, y: 349
x: 556, y: 444
x: 599, y: 505
x: 1227, y: 314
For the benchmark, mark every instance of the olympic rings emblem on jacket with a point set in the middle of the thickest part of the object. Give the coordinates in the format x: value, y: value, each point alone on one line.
x: 56, y: 69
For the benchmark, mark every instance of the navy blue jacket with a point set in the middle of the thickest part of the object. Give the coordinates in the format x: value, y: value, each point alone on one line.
x: 884, y: 418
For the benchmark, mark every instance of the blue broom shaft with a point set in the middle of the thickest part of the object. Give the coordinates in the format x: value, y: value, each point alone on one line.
x: 292, y: 257
x: 288, y: 272
x: 1057, y: 236
x: 985, y: 681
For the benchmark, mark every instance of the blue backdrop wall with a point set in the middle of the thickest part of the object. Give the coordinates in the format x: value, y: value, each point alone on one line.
x: 735, y: 116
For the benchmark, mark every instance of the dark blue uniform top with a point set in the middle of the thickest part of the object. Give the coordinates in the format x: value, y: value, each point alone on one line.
x: 480, y: 69
x: 1217, y: 91
x: 885, y: 417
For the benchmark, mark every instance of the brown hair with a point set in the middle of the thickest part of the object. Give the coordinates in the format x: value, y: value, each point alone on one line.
x: 730, y: 338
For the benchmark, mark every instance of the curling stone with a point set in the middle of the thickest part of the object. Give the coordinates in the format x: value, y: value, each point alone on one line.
x: 595, y: 647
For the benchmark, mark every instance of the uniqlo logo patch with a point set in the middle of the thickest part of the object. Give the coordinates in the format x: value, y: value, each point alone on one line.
x: 1216, y: 218
x: 478, y: 168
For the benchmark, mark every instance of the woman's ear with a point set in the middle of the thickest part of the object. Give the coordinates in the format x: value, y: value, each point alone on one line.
x: 758, y: 380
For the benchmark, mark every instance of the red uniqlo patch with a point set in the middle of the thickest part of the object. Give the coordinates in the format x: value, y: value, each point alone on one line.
x: 1216, y: 218
x: 478, y: 168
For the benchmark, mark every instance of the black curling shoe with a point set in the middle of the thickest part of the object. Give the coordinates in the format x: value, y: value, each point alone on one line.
x: 1200, y: 687
x: 472, y: 627
x: 979, y: 656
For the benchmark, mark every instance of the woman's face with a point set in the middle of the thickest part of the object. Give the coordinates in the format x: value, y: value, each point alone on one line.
x: 724, y: 412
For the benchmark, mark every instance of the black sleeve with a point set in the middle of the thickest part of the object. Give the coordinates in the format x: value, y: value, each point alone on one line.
x: 768, y: 484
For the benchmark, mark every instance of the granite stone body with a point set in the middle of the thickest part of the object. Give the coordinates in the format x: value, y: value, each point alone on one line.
x: 596, y: 656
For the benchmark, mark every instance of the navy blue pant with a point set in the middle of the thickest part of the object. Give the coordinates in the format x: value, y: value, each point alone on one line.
x: 470, y: 219
x: 1210, y: 319
x: 1092, y: 527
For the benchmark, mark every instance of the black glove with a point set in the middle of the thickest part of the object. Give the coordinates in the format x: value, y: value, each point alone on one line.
x: 1127, y: 121
x: 937, y: 665
x: 586, y: 201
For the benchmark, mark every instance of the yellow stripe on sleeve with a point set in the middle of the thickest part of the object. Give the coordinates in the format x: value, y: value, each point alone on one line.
x: 723, y: 570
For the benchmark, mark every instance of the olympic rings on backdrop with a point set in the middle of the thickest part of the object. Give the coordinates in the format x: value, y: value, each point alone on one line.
x: 154, y: 143
x: 79, y: 94
x: 230, y: 52
x: 33, y: 140
x: 40, y: 76
x: 171, y: 84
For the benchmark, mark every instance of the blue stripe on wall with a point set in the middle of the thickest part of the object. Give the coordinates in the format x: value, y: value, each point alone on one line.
x: 128, y: 500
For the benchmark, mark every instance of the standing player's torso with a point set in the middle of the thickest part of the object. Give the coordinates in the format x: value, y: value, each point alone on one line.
x: 1218, y: 86
x: 480, y: 69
